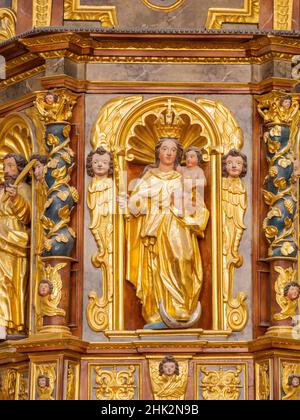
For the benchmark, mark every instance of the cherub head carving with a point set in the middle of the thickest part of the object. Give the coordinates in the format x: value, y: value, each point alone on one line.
x: 99, y: 163
x: 234, y: 164
x: 169, y: 366
x: 45, y: 288
x: 292, y: 291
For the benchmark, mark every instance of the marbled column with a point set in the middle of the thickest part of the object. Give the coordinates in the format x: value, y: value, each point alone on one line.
x: 281, y: 116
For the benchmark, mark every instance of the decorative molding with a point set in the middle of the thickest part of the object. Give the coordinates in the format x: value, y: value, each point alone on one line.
x: 7, y: 24
x: 107, y: 15
x: 173, y: 6
x: 283, y: 14
x: 21, y: 77
x: 42, y: 10
x: 117, y: 59
x: 218, y: 16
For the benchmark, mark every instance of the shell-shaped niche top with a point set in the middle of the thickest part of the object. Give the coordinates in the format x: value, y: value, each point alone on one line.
x: 167, y: 123
x: 15, y: 137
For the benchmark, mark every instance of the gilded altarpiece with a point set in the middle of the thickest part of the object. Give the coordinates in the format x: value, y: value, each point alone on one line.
x: 126, y: 318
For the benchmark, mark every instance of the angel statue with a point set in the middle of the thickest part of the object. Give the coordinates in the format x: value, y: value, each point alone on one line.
x: 234, y: 204
x: 100, y: 202
x: 49, y: 293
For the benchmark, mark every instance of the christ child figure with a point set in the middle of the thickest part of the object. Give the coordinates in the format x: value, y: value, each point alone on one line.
x: 194, y: 180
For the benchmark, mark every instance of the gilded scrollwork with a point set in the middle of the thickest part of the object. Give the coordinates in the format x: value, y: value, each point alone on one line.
x: 221, y: 384
x: 234, y: 205
x: 169, y: 378
x: 118, y: 383
x: 7, y: 24
x: 281, y: 116
x: 290, y: 380
x: 46, y: 382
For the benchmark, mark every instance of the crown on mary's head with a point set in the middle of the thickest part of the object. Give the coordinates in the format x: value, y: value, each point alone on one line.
x: 169, y: 123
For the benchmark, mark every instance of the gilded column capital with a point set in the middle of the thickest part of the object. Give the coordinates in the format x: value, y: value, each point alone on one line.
x: 279, y: 108
x: 55, y: 106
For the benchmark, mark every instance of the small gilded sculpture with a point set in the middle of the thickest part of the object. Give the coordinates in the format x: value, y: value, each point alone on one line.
x: 169, y: 379
x: 100, y: 203
x: 15, y: 216
x: 194, y: 180
x: 234, y: 201
x: 46, y: 383
x: 164, y: 261
x: 49, y: 293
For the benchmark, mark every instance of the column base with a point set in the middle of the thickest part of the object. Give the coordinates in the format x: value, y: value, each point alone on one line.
x: 281, y: 331
x: 55, y: 329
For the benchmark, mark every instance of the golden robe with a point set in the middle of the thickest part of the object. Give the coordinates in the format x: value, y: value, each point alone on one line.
x: 163, y: 257
x: 14, y: 244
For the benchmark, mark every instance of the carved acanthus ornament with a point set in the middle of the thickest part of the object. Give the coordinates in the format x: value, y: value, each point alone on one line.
x: 218, y: 16
x: 169, y: 386
x: 221, y: 384
x: 290, y: 387
x: 116, y: 384
x: 281, y: 116
x: 107, y: 15
x: 42, y: 10
x: 283, y: 13
x: 234, y: 205
x: 7, y: 24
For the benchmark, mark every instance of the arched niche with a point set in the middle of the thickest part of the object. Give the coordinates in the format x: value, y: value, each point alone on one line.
x: 125, y: 127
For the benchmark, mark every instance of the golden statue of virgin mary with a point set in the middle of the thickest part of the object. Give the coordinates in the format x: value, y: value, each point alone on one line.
x: 163, y: 256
